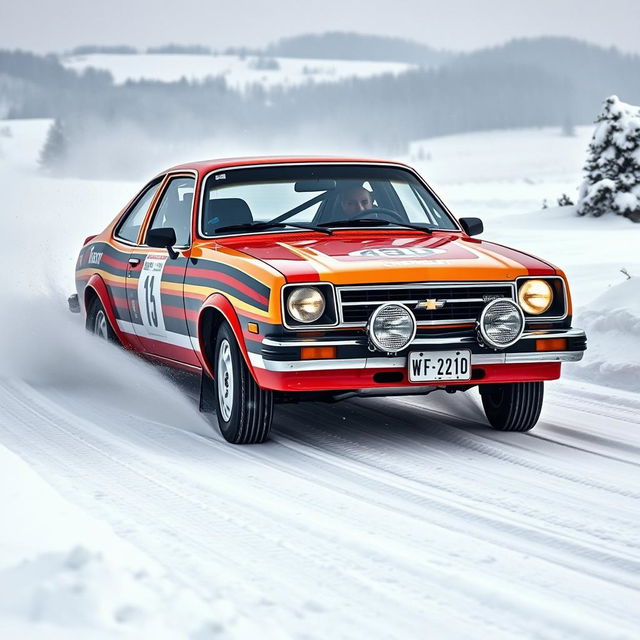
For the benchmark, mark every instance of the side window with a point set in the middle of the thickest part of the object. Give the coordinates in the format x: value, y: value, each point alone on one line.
x: 174, y: 208
x: 413, y: 206
x: 130, y: 226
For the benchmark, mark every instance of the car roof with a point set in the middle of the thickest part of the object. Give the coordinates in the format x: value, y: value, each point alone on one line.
x: 205, y: 166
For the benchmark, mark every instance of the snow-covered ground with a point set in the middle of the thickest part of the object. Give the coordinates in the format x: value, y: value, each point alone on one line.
x: 511, y: 171
x: 124, y: 511
x: 238, y: 71
x: 65, y: 575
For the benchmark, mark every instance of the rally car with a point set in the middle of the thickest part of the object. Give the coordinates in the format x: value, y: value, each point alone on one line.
x: 289, y: 279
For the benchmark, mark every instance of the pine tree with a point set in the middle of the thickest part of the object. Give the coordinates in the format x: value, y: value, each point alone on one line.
x: 54, y: 150
x: 612, y: 182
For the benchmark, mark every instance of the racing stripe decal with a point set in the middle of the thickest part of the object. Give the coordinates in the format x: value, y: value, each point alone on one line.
x: 185, y: 284
x: 227, y: 279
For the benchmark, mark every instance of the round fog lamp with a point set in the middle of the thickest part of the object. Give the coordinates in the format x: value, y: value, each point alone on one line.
x: 535, y: 296
x: 306, y: 304
x: 501, y: 323
x: 391, y: 327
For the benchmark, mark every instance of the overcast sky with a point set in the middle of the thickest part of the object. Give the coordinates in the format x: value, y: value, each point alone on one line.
x: 59, y: 25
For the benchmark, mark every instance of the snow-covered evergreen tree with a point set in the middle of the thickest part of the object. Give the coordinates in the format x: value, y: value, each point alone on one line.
x: 612, y: 182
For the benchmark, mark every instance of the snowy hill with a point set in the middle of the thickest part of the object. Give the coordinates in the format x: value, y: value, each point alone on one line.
x: 238, y: 71
x: 526, y: 155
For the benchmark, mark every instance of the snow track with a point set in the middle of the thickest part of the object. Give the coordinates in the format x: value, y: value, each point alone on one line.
x: 372, y: 518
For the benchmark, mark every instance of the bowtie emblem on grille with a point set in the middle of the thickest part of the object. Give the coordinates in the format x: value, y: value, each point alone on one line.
x: 430, y: 304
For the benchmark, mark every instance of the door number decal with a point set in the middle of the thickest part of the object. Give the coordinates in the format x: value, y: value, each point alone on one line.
x: 149, y: 294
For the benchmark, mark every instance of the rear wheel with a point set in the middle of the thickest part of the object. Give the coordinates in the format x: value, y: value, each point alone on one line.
x: 512, y: 407
x: 244, y: 410
x: 98, y: 323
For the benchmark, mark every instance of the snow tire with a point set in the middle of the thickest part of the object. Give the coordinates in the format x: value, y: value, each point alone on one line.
x: 512, y: 407
x: 98, y: 322
x: 244, y: 410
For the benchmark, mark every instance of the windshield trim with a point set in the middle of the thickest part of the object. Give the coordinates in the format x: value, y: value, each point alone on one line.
x: 396, y: 165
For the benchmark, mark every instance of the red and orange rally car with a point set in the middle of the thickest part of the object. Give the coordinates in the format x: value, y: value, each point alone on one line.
x: 286, y: 279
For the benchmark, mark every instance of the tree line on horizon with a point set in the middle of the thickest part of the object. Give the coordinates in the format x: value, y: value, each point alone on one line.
x: 525, y: 83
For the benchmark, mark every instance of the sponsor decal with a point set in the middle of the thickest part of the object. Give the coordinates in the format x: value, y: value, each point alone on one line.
x: 94, y: 257
x: 396, y: 252
x: 220, y: 176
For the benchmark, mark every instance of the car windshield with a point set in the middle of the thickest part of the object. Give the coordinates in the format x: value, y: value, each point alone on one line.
x: 237, y: 200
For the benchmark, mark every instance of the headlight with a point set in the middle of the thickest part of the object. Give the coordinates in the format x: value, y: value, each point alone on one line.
x: 535, y: 296
x: 501, y: 323
x: 391, y: 327
x: 306, y: 304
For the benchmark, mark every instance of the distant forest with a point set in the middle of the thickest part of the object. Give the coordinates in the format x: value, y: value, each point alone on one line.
x: 337, y: 45
x: 532, y: 82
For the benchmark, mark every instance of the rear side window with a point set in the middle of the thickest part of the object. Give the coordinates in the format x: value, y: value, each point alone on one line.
x: 130, y: 225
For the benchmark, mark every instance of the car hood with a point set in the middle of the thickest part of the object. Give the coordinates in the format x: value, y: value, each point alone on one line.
x: 363, y: 257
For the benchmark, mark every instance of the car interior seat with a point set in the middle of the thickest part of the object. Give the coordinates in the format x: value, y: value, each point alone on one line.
x: 224, y: 212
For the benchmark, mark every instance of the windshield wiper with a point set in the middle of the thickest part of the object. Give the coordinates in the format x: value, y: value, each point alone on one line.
x: 374, y: 222
x: 259, y: 226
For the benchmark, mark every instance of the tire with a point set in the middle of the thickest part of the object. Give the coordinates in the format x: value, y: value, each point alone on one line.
x: 244, y: 410
x: 512, y: 407
x: 98, y: 322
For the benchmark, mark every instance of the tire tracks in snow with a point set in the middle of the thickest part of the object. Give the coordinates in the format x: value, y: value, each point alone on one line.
x: 365, y: 520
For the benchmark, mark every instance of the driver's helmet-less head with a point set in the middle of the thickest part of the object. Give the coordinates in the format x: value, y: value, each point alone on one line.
x: 354, y: 199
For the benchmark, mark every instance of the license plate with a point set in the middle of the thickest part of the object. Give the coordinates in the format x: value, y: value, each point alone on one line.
x: 431, y: 366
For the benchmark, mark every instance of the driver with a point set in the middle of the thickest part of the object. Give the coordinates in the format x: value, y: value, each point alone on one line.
x: 355, y: 200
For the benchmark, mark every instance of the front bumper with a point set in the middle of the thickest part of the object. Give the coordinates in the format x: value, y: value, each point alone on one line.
x: 278, y: 365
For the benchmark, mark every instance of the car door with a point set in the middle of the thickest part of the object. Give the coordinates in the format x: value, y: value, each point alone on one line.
x: 157, y: 279
x: 112, y: 257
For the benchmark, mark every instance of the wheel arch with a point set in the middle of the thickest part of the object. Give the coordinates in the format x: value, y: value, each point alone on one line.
x: 96, y: 288
x: 215, y: 310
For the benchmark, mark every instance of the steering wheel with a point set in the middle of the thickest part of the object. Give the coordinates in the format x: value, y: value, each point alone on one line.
x: 375, y: 211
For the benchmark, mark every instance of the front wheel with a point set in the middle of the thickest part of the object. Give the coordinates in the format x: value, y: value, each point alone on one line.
x: 512, y: 407
x: 244, y: 410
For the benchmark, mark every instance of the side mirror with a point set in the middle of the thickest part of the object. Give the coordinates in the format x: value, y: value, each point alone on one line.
x: 472, y: 226
x: 163, y: 238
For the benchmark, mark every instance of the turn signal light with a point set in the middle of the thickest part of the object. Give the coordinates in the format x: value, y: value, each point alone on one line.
x: 552, y: 344
x: 317, y: 353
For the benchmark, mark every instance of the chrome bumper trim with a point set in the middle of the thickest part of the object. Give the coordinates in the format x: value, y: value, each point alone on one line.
x: 521, y: 358
x: 527, y: 335
x: 401, y: 362
x: 269, y: 342
x: 307, y: 365
x: 553, y: 333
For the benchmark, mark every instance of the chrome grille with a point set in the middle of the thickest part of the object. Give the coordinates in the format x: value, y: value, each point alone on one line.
x: 463, y: 302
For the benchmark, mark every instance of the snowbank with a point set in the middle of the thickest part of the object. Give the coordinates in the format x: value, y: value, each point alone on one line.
x: 612, y: 323
x: 65, y: 575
